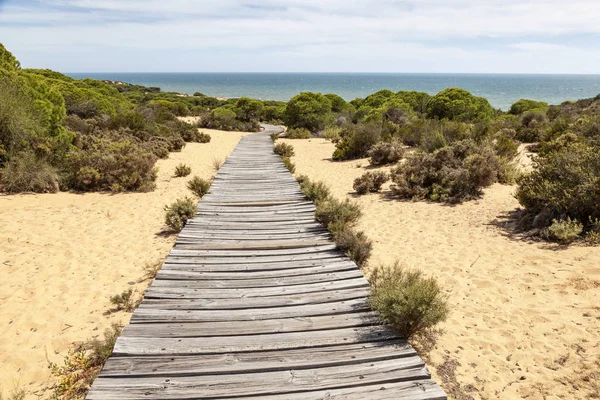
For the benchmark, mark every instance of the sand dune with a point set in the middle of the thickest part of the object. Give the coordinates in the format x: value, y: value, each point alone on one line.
x: 63, y: 255
x: 525, y: 316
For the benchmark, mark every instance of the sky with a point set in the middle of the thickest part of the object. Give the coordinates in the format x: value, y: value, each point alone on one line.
x: 440, y: 36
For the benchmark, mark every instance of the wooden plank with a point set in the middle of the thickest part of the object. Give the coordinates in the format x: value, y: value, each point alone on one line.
x: 154, y: 315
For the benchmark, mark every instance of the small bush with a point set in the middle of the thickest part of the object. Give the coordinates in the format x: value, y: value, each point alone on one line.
x: 15, y: 394
x: 27, y: 173
x: 217, y: 163
x: 565, y: 231
x: 385, y: 153
x: 409, y: 302
x: 314, y: 191
x: 179, y: 212
x: 298, y: 133
x: 332, y: 134
x: 124, y: 301
x: 356, y: 141
x: 274, y: 136
x: 354, y: 244
x: 333, y: 211
x: 198, y: 186
x: 370, y: 182
x: 202, y: 137
x: 284, y: 150
x: 82, y: 365
x: 289, y: 164
x: 182, y: 170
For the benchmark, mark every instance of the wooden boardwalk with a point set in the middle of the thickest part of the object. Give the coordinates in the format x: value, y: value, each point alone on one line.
x: 255, y: 302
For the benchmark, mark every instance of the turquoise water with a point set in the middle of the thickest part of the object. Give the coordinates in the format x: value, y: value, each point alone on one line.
x: 500, y: 89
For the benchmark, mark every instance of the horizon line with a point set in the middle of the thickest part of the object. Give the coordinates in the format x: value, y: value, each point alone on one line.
x: 332, y: 73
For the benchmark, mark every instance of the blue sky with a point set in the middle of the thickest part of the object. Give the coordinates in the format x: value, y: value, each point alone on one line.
x: 487, y: 36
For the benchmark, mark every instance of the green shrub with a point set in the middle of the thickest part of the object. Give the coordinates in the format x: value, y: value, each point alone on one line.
x: 298, y: 133
x: 307, y: 110
x: 314, y: 191
x: 411, y: 303
x: 289, y: 164
x: 564, y: 184
x: 524, y: 105
x: 357, y: 141
x: 370, y: 182
x: 202, y: 137
x: 565, y: 231
x: 385, y: 153
x: 459, y: 105
x: 182, y: 170
x: 332, y: 133
x: 354, y: 244
x: 274, y: 136
x: 27, y: 173
x: 198, y: 186
x: 506, y: 147
x: 333, y: 211
x: 284, y: 150
x: 178, y: 213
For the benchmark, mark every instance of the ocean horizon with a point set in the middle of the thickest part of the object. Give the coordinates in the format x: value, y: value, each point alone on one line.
x: 501, y: 90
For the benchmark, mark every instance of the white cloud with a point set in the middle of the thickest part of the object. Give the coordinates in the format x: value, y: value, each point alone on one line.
x: 485, y: 34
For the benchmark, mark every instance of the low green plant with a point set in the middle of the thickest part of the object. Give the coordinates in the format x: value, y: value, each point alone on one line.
x: 124, y: 301
x: 198, y: 186
x: 182, y: 170
x: 356, y: 245
x: 332, y: 133
x: 289, y: 164
x: 284, y: 150
x: 82, y: 365
x: 202, y: 137
x: 274, y: 136
x: 298, y: 133
x: 314, y: 191
x: 408, y: 301
x: 178, y: 213
x: 27, y: 173
x: 370, y: 182
x: 385, y: 153
x: 565, y: 231
x: 333, y: 211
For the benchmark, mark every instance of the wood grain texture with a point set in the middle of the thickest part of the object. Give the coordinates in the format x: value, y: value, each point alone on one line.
x: 256, y: 302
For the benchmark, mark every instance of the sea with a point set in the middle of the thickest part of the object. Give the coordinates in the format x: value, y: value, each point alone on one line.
x: 501, y: 90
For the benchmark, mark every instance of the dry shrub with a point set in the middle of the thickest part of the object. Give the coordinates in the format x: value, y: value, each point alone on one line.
x: 202, y: 137
x: 27, y: 173
x: 314, y: 191
x: 198, y: 186
x: 385, y: 153
x: 15, y: 394
x: 356, y: 245
x: 333, y: 211
x: 82, y: 365
x: 217, y: 163
x: 289, y: 164
x: 451, y: 174
x: 178, y: 213
x: 284, y: 150
x: 298, y: 133
x: 563, y: 185
x: 407, y: 300
x: 370, y: 182
x: 182, y: 170
x: 124, y: 301
x: 565, y: 231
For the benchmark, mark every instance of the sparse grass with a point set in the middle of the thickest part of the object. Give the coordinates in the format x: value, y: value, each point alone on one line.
x: 217, y: 163
x: 182, y: 170
x: 332, y: 134
x: 355, y: 244
x: 179, y: 212
x: 81, y: 366
x: 15, y: 394
x: 284, y: 150
x: 151, y: 269
x: 274, y: 136
x: 333, y: 211
x: 314, y: 191
x: 407, y: 300
x: 289, y: 164
x: 198, y: 186
x: 124, y: 301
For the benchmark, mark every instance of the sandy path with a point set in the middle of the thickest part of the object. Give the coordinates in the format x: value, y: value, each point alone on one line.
x: 524, y: 315
x: 63, y: 255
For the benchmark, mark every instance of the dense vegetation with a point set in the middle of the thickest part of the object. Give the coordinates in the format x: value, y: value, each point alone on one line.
x: 57, y: 132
